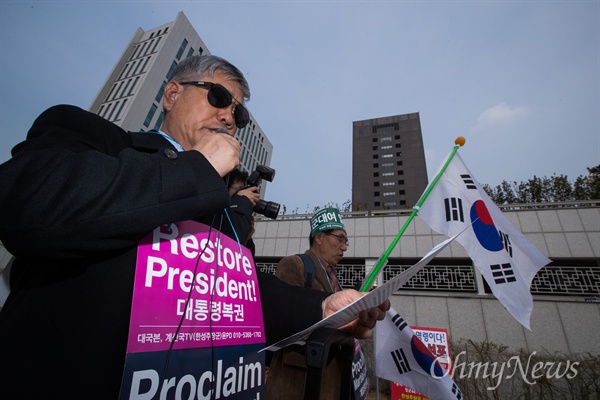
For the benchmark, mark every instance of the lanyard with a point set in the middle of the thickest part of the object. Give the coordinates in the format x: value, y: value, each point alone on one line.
x: 327, y: 275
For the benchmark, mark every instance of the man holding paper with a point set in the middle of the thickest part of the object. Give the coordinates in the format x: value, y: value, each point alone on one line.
x: 78, y: 196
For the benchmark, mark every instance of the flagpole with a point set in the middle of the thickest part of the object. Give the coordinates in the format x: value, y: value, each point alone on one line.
x: 458, y: 142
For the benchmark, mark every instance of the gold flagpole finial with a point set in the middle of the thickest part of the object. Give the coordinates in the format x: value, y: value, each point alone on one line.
x: 460, y: 141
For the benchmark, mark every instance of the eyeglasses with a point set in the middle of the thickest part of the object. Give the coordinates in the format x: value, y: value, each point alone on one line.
x: 219, y: 97
x: 341, y: 239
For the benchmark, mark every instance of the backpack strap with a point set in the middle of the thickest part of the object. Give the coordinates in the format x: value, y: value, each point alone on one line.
x: 309, y: 270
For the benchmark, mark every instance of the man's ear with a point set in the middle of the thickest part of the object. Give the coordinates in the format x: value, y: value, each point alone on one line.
x: 172, y: 90
x: 319, y: 238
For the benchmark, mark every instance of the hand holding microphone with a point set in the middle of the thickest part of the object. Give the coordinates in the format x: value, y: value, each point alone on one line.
x: 221, y: 151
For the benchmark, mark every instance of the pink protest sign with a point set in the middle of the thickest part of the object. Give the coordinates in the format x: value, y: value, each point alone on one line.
x: 190, y: 275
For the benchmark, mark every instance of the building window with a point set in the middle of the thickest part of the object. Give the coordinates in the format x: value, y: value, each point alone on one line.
x: 108, y: 107
x: 140, y: 68
x: 387, y: 194
x: 149, y: 47
x: 161, y: 91
x: 401, y: 182
x: 190, y: 53
x: 159, y: 121
x: 113, y: 111
x: 397, y: 137
x: 387, y: 164
x: 375, y: 156
x: 132, y: 69
x: 181, y: 49
x: 400, y: 172
x: 116, y: 93
x: 389, y: 204
x: 156, y: 44
x: 386, y: 139
x: 377, y: 204
x: 398, y: 145
x: 387, y: 174
x: 133, y: 86
x: 145, y: 64
x: 376, y: 184
x: 387, y: 156
x: 125, y: 88
x: 374, y: 147
x: 394, y: 125
x: 375, y: 174
x: 389, y: 183
x: 118, y: 116
x: 387, y: 147
x: 150, y: 115
x: 142, y: 49
x: 133, y: 53
x: 173, y: 66
x: 374, y: 140
x: 111, y: 92
x: 401, y: 192
x: 402, y: 202
x: 376, y: 194
x: 375, y: 165
x: 398, y: 163
x: 125, y: 71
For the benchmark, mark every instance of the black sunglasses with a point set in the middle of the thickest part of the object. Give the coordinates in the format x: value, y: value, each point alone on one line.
x: 219, y: 97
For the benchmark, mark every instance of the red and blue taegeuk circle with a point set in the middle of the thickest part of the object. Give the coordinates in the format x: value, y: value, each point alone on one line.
x: 425, y: 359
x: 484, y: 227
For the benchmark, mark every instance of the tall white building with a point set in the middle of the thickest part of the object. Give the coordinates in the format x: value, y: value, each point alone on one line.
x: 131, y: 97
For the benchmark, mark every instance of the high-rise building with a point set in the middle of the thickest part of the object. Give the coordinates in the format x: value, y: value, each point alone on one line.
x: 131, y: 97
x: 388, y: 163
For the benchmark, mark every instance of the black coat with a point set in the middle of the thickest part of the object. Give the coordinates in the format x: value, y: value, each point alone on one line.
x: 75, y: 200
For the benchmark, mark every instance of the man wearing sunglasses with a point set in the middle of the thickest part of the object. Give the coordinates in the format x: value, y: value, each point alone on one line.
x: 77, y: 197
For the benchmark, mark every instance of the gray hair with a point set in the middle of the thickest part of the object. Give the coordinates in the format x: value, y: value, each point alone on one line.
x: 196, y: 67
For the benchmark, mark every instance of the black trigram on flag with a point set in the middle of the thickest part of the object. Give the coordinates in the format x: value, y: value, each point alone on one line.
x: 454, y: 209
x: 399, y: 322
x: 469, y: 183
x: 401, y: 361
x: 456, y: 391
x: 503, y: 273
x: 506, y: 241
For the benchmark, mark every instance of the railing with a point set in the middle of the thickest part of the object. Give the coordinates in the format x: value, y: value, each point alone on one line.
x: 447, y: 278
x: 567, y: 280
x: 576, y: 280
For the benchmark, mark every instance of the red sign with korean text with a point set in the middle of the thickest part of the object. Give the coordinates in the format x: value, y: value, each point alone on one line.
x: 438, y: 343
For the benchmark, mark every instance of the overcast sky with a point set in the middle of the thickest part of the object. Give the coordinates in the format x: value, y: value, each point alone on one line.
x: 520, y: 80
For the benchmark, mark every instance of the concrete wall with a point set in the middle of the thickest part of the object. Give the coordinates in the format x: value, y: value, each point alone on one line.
x: 567, y: 327
x: 557, y: 232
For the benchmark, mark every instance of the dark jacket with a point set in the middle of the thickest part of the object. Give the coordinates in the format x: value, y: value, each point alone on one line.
x: 287, y: 371
x: 76, y: 198
x: 237, y: 222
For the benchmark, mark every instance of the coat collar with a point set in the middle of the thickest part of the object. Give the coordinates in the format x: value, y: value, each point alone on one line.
x: 149, y: 141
